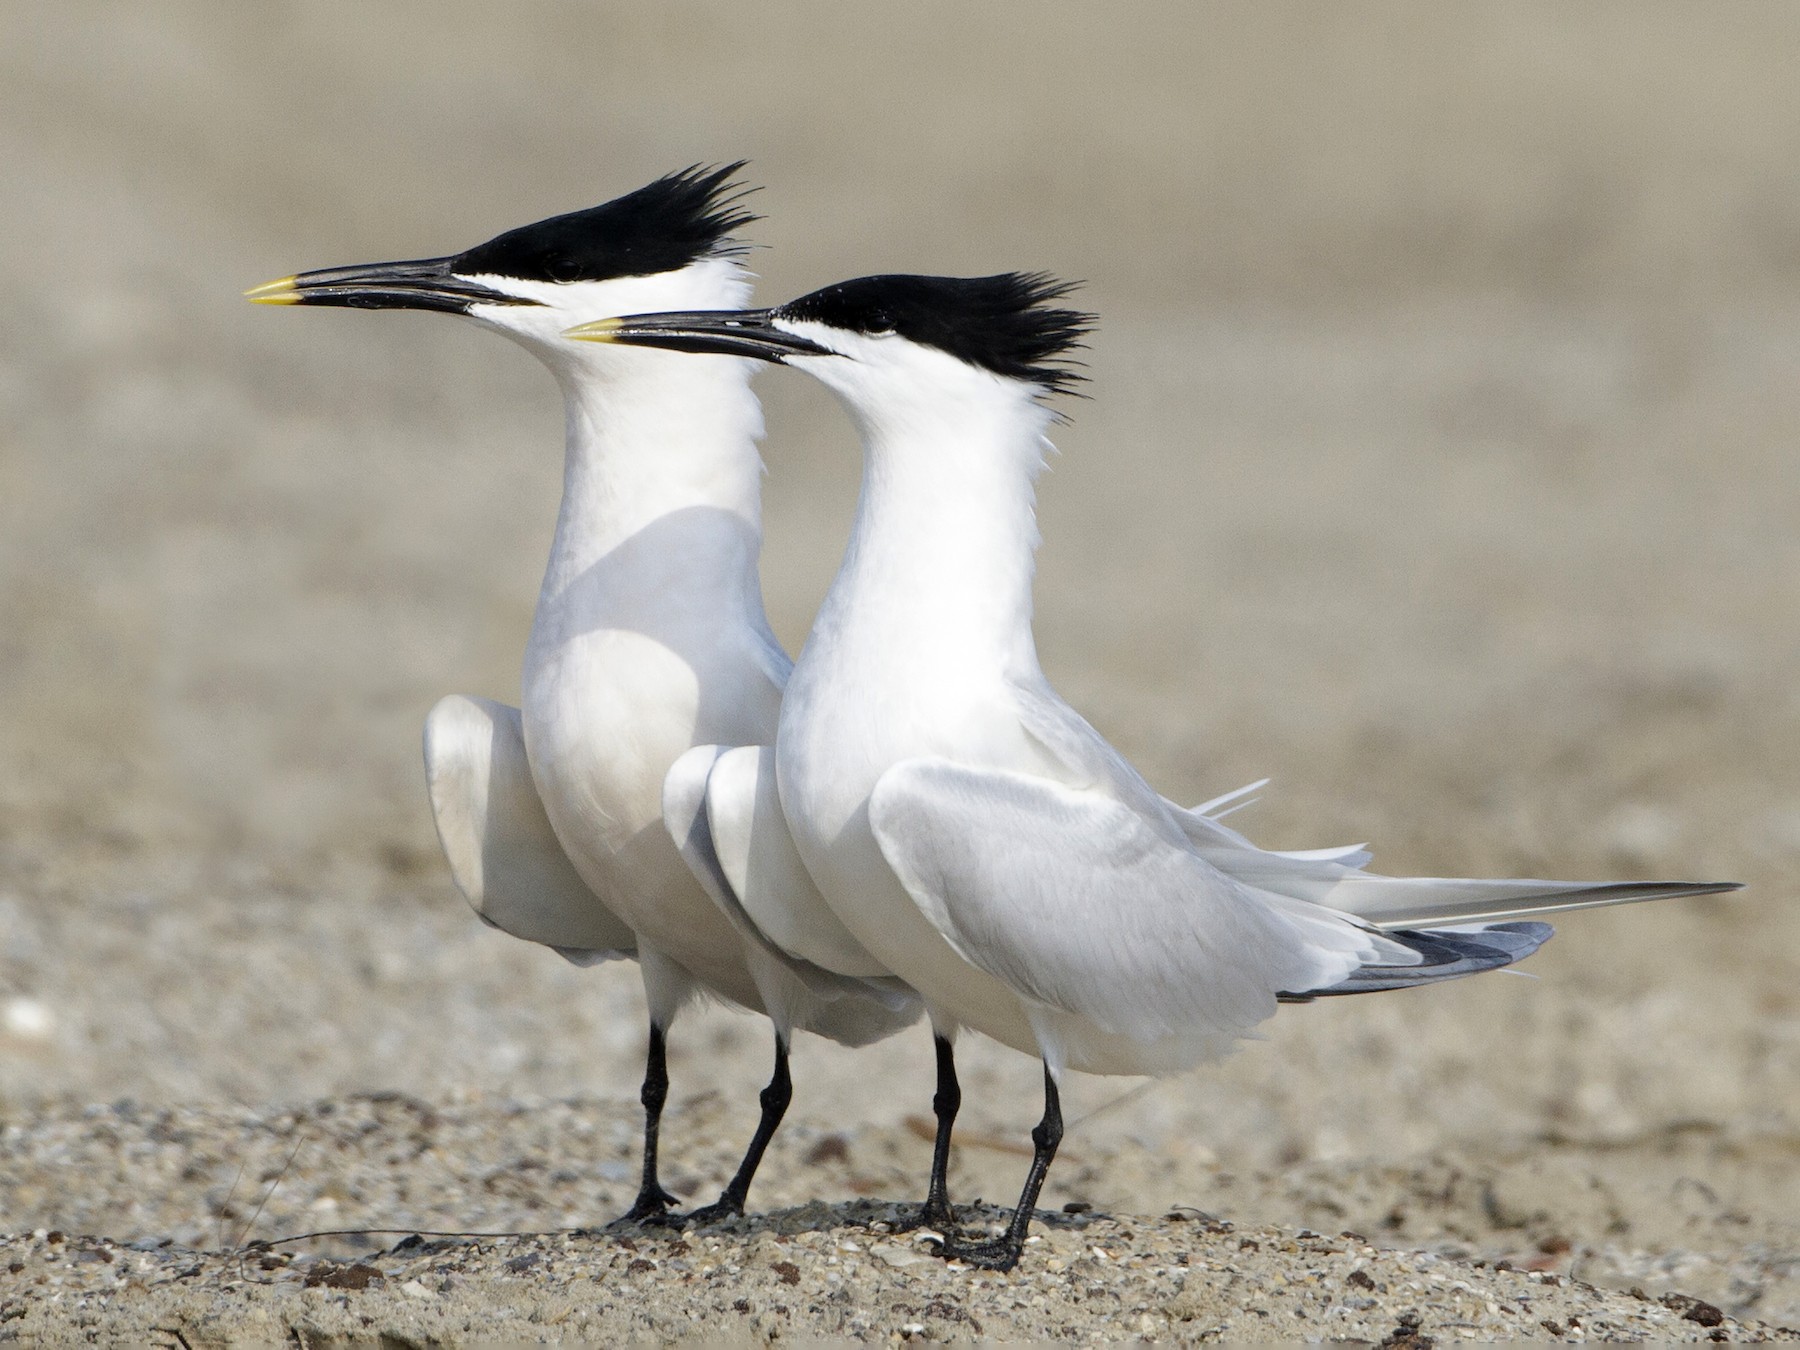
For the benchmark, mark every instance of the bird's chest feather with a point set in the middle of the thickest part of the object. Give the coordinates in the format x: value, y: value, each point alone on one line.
x: 850, y: 717
x: 605, y: 714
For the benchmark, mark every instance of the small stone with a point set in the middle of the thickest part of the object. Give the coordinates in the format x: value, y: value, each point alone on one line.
x: 828, y: 1149
x: 1694, y: 1310
x: 899, y: 1257
x: 27, y: 1019
x: 331, y: 1275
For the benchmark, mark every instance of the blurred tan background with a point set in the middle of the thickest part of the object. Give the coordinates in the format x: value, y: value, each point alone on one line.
x: 1439, y: 462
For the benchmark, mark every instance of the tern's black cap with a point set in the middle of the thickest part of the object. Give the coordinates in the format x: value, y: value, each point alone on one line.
x: 662, y: 227
x: 1002, y: 323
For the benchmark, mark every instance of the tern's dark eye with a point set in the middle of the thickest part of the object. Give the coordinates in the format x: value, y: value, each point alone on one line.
x: 562, y: 270
x: 1003, y: 323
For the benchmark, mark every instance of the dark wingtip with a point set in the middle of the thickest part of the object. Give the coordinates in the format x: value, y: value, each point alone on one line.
x: 1444, y: 955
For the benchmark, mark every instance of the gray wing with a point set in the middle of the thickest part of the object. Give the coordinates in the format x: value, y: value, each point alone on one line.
x: 689, y: 823
x: 1087, y: 759
x: 756, y: 852
x: 1076, y: 902
x: 503, y: 855
x: 1330, y: 877
x: 1090, y: 760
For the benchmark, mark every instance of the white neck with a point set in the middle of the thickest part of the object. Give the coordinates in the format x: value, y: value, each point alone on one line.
x: 662, y: 482
x: 940, y: 559
x: 677, y: 434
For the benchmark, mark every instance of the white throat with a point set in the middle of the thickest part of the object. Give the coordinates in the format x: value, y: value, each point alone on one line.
x: 941, y: 554
x: 662, y: 482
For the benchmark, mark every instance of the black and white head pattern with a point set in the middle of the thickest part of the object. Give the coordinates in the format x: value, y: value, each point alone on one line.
x: 662, y: 227
x: 1005, y: 323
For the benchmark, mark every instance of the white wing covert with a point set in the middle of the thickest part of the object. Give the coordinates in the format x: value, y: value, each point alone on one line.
x: 1091, y: 760
x: 1075, y: 901
x: 503, y: 855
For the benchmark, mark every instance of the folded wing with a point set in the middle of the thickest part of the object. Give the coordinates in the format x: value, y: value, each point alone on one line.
x: 503, y: 855
x: 1077, y: 902
x: 750, y: 871
x: 757, y: 853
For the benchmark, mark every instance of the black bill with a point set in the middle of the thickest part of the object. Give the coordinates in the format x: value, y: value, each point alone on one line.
x: 722, y: 332
x: 424, y: 283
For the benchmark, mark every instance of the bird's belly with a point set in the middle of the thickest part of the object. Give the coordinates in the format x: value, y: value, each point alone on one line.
x: 605, y: 716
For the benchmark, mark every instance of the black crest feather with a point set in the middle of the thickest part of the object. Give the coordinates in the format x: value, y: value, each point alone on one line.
x: 1004, y: 323
x: 663, y: 226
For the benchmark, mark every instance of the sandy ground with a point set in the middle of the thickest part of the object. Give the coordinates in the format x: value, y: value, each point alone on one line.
x: 1438, y: 462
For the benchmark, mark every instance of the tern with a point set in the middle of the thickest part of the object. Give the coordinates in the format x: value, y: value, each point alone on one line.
x: 971, y: 829
x: 580, y: 819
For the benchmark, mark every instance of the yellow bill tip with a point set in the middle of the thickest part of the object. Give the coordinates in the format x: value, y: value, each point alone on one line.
x: 279, y: 292
x: 600, y: 330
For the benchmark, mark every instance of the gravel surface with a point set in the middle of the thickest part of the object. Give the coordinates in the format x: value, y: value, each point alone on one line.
x: 824, y: 1270
x: 206, y: 1215
x: 1439, y: 462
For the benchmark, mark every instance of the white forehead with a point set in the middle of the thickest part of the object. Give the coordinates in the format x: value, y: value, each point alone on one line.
x: 710, y: 283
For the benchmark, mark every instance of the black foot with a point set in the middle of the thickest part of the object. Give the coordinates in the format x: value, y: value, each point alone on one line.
x: 938, y: 1218
x: 1000, y: 1254
x: 1003, y: 1253
x: 936, y: 1213
x: 717, y: 1212
x: 652, y: 1209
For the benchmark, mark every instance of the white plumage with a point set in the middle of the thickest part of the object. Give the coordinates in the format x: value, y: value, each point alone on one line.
x: 972, y: 831
x: 648, y: 639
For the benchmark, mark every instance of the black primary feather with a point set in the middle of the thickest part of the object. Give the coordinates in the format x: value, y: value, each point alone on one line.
x: 662, y: 227
x: 1443, y: 955
x: 1003, y: 323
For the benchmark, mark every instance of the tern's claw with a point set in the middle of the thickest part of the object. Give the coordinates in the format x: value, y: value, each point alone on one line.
x: 652, y: 1209
x: 938, y: 1218
x: 717, y: 1212
x: 1000, y: 1254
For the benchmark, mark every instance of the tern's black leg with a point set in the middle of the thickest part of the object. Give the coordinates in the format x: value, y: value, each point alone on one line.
x: 775, y: 1098
x: 1004, y: 1252
x: 653, y: 1203
x: 946, y: 1102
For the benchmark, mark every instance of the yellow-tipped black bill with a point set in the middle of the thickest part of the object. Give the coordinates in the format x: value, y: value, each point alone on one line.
x: 722, y: 332
x: 424, y: 283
